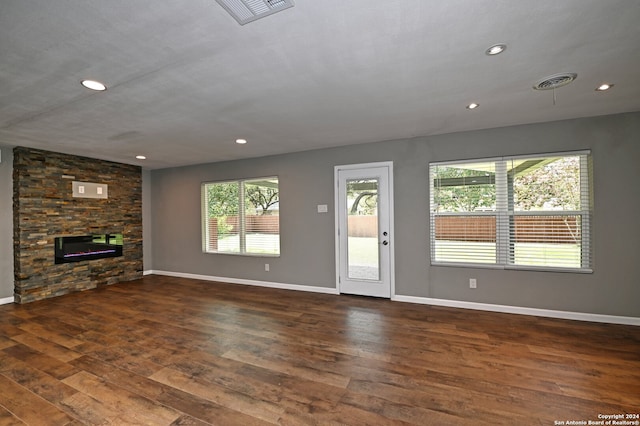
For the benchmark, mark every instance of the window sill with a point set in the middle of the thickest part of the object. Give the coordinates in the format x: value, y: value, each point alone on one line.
x: 514, y: 267
x: 242, y: 254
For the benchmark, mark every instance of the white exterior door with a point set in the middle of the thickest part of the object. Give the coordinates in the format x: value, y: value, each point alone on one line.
x: 364, y: 234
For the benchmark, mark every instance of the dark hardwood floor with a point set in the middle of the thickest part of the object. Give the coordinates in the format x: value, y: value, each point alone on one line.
x: 163, y: 351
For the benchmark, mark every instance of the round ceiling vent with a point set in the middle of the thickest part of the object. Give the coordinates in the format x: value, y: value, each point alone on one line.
x: 555, y: 81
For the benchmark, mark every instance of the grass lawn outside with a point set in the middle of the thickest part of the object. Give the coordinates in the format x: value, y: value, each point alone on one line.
x: 256, y: 244
x: 363, y: 252
x: 526, y: 254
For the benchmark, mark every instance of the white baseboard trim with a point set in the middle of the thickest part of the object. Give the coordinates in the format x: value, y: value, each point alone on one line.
x: 269, y: 284
x: 149, y: 272
x: 6, y: 300
x: 579, y: 316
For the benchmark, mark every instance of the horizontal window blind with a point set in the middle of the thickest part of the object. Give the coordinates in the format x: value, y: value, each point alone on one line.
x: 464, y: 218
x: 519, y: 212
x: 241, y: 217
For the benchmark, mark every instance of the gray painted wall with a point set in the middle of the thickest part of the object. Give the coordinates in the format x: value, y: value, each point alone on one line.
x: 307, y: 237
x: 6, y: 222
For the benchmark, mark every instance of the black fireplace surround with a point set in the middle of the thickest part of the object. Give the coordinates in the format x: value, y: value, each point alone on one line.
x: 87, y: 247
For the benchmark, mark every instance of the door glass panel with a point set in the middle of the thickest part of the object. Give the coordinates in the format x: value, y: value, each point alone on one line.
x: 363, y: 257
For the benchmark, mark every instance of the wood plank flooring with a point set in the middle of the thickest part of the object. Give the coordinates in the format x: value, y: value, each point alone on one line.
x: 171, y: 351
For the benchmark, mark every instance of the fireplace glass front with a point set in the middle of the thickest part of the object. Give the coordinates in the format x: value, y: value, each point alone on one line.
x: 87, y: 247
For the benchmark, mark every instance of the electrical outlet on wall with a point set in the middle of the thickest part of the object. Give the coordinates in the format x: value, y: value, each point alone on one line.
x: 473, y: 283
x: 266, y: 267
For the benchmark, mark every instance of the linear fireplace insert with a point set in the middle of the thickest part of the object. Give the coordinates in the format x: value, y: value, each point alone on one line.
x: 87, y: 247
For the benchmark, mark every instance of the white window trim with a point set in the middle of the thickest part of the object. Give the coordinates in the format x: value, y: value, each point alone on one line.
x: 241, y: 218
x: 502, y: 214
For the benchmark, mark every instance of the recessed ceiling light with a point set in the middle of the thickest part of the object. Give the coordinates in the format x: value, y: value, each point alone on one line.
x: 604, y: 87
x: 241, y: 141
x: 141, y: 157
x: 496, y: 49
x: 473, y: 105
x: 94, y: 85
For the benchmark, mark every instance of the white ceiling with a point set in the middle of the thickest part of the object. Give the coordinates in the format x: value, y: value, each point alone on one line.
x: 185, y: 80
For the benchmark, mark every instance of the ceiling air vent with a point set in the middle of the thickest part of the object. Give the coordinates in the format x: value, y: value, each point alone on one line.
x: 555, y: 81
x: 245, y: 11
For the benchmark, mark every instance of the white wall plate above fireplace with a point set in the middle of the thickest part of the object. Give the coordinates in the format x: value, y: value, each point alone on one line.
x: 90, y: 190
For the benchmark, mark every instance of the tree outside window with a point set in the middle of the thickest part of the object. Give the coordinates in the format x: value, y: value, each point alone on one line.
x: 513, y: 212
x: 242, y: 217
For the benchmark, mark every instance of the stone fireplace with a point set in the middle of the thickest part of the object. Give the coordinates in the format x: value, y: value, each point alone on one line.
x: 47, y: 214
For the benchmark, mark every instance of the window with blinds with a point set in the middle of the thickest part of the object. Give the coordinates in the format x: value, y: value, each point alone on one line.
x: 528, y: 212
x: 241, y: 217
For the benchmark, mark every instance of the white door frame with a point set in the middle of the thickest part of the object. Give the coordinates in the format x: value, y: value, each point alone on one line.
x: 391, y: 265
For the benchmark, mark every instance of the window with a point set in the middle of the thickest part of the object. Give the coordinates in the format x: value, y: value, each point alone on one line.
x: 530, y: 212
x: 241, y: 217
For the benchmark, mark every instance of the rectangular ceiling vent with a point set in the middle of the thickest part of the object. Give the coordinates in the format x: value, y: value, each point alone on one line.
x: 245, y: 11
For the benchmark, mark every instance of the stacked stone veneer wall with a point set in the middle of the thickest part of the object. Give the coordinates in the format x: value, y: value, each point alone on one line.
x: 44, y: 208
